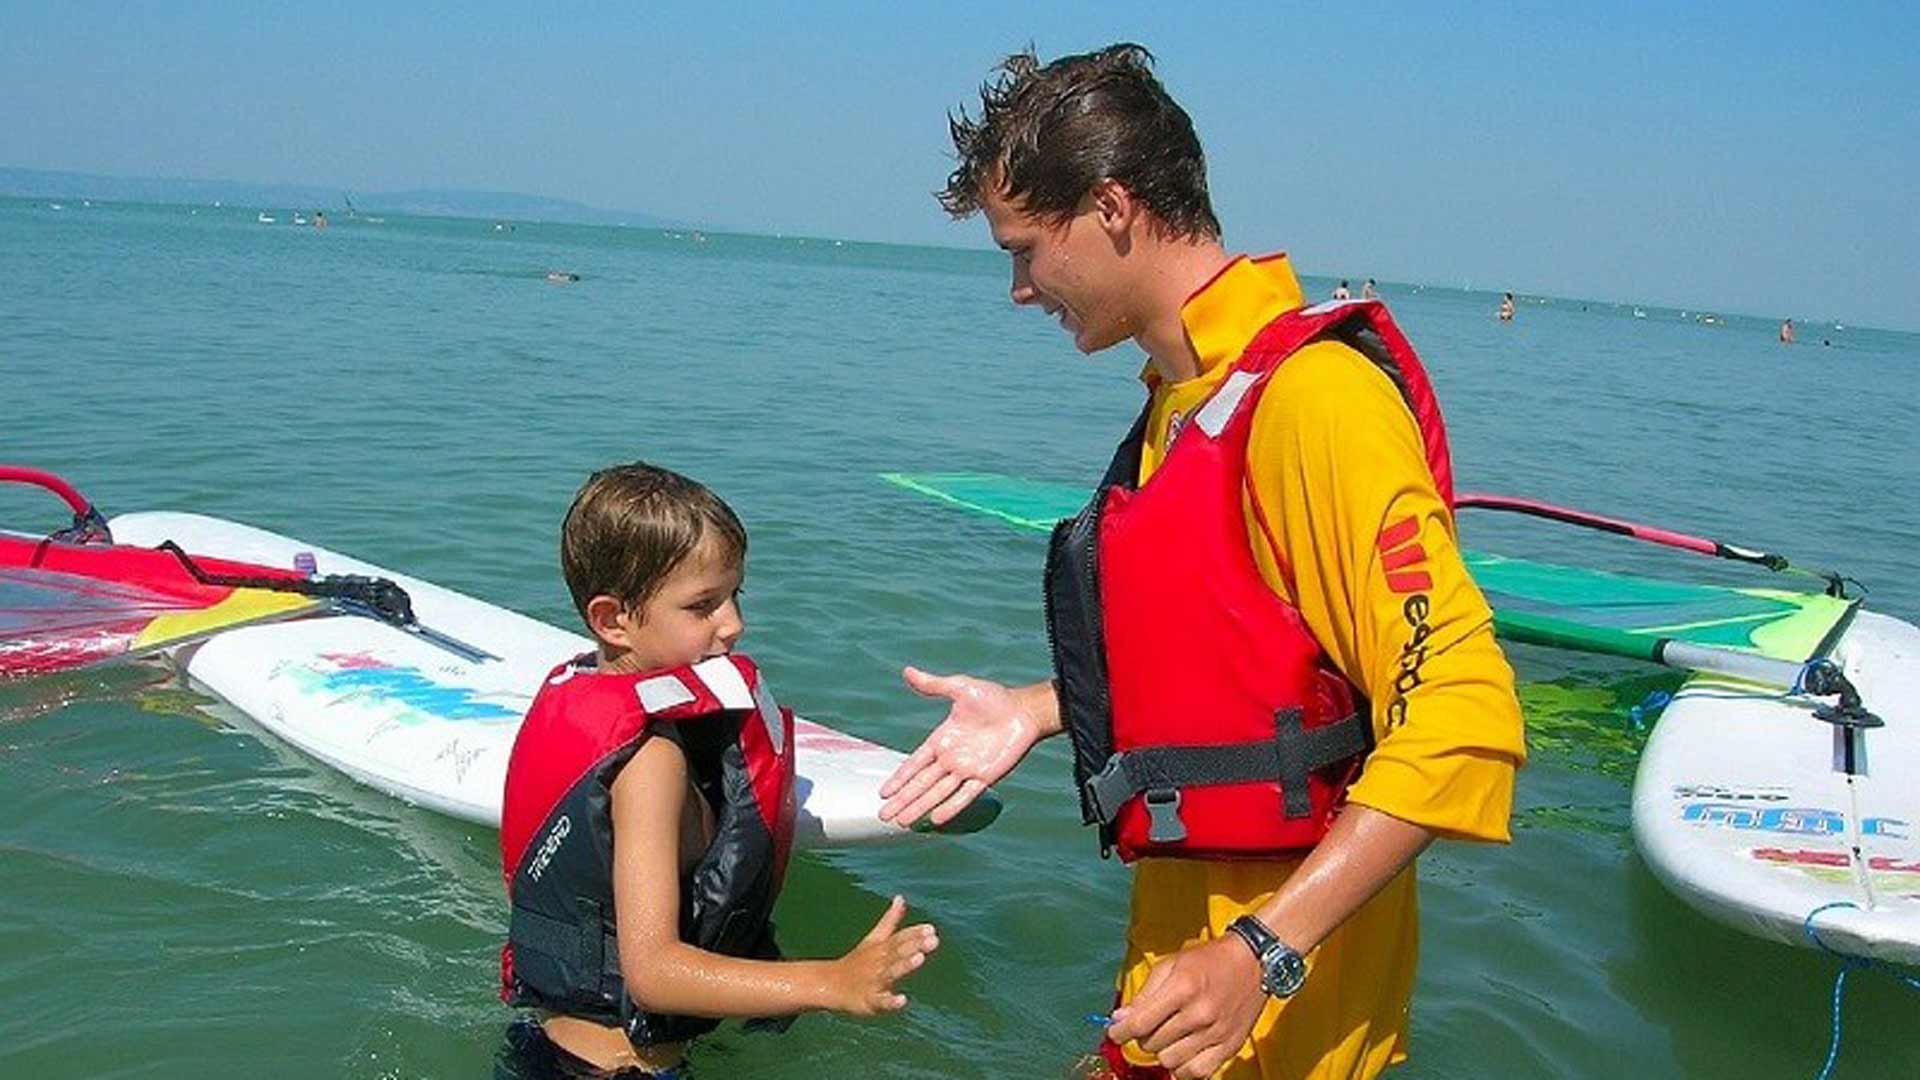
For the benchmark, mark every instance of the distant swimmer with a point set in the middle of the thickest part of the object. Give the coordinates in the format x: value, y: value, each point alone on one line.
x: 1369, y: 291
x: 562, y: 277
x: 319, y: 219
x: 1506, y: 308
x: 1786, y: 332
x: 1341, y: 293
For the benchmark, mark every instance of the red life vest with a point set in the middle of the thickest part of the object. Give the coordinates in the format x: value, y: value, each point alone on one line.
x: 556, y: 832
x: 1206, y: 720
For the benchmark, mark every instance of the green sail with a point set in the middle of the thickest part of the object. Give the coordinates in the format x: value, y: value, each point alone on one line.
x: 1562, y: 607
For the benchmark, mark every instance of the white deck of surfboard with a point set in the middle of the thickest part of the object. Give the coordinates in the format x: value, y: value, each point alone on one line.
x: 410, y: 718
x: 1743, y: 809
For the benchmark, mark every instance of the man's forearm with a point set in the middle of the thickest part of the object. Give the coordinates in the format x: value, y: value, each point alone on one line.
x: 1359, y: 855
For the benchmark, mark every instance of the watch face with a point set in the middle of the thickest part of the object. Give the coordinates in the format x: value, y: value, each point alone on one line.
x: 1285, y: 971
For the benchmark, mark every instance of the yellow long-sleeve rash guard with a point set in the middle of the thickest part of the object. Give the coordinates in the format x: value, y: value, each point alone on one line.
x: 1363, y: 545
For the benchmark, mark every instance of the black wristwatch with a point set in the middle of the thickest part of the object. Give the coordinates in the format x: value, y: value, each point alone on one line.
x: 1282, y: 970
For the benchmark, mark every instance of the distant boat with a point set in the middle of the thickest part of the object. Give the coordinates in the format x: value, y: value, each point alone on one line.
x: 1639, y: 313
x: 55, y: 206
x: 265, y: 218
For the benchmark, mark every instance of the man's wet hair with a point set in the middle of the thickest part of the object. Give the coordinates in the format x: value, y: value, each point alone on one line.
x: 1048, y: 133
x: 631, y: 525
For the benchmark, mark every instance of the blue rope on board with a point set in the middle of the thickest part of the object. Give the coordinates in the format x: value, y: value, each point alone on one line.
x: 1848, y: 964
x: 1660, y: 699
x: 1652, y: 703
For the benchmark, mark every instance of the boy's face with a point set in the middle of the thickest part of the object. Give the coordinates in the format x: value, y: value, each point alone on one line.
x: 695, y: 614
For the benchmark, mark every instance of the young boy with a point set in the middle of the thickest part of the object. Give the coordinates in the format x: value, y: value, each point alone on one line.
x: 649, y: 808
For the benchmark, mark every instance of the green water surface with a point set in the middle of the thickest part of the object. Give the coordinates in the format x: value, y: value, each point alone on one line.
x: 181, y: 897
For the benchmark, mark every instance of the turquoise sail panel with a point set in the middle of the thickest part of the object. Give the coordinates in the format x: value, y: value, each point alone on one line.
x: 1540, y: 603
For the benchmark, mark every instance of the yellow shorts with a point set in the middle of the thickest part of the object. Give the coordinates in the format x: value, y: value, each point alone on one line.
x: 1350, y: 1018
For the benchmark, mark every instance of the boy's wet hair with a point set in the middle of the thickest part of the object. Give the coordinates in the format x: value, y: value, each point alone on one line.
x: 1048, y: 133
x: 631, y: 525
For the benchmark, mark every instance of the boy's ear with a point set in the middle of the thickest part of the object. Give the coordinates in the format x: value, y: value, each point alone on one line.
x: 606, y: 619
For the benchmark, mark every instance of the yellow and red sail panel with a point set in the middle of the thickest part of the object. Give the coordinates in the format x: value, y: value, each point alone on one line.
x: 64, y: 605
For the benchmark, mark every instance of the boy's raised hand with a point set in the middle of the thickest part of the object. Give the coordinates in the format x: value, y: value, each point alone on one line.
x: 865, y: 977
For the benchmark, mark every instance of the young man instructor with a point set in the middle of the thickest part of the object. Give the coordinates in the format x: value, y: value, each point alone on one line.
x: 1279, y: 681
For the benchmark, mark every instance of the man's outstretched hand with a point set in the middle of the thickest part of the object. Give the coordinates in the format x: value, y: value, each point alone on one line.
x: 988, y: 729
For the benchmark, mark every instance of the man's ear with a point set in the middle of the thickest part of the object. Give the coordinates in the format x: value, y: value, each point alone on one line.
x: 607, y: 619
x: 1115, y: 208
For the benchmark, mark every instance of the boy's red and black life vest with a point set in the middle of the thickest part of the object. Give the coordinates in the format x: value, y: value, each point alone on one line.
x: 1206, y: 720
x: 556, y: 834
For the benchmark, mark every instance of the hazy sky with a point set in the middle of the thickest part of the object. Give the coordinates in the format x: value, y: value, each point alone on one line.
x: 1759, y: 158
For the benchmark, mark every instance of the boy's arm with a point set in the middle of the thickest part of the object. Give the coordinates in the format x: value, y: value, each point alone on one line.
x: 668, y: 975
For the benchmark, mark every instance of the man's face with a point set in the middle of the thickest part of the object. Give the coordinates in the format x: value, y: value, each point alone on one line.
x: 1070, y: 270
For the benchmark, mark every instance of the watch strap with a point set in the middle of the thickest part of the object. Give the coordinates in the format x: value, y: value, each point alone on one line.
x: 1281, y: 968
x: 1256, y: 935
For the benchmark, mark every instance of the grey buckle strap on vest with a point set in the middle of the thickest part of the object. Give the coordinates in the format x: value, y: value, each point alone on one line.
x: 1160, y: 771
x: 1303, y: 751
x: 1163, y: 816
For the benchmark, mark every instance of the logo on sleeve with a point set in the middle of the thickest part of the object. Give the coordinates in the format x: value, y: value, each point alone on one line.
x: 1404, y: 561
x: 1402, y: 557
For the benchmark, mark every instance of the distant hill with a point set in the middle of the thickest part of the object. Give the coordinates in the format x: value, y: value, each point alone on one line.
x: 44, y: 184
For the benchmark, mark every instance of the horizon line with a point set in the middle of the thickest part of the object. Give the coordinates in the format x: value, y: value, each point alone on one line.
x: 672, y: 225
